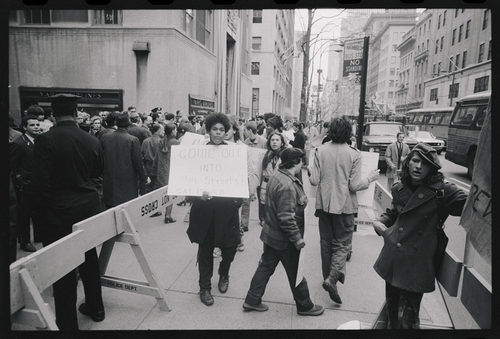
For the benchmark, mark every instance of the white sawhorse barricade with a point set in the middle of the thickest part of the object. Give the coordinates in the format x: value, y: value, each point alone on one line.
x: 475, y: 291
x: 33, y: 274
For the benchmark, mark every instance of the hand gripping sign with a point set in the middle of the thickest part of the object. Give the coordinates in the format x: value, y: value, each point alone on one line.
x: 219, y: 170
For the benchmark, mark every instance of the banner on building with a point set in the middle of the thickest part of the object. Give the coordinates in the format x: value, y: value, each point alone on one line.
x: 353, y: 59
x: 219, y: 170
x: 476, y: 217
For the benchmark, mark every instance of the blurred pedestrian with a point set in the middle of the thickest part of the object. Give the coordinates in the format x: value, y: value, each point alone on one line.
x: 95, y: 125
x: 214, y: 222
x: 149, y: 148
x: 110, y: 124
x: 337, y: 173
x: 66, y: 160
x: 124, y: 176
x: 421, y: 202
x: 136, y: 130
x: 161, y: 164
x: 394, y: 157
x: 282, y: 235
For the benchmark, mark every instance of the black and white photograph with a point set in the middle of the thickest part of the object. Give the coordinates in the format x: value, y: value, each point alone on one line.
x: 223, y: 168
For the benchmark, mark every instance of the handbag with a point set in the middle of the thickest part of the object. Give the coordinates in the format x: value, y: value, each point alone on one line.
x: 442, y: 239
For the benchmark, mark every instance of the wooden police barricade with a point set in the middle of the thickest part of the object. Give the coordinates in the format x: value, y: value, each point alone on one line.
x: 448, y: 279
x: 31, y: 275
x: 122, y: 218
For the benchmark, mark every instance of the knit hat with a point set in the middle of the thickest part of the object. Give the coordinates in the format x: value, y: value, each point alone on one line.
x: 428, y: 153
x: 291, y: 153
x: 275, y: 122
x: 123, y: 120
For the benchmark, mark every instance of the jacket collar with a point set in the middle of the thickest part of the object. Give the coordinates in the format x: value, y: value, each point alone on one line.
x: 292, y: 177
x: 422, y: 194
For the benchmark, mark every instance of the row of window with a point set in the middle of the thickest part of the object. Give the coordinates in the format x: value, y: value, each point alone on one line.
x: 460, y: 33
x: 46, y: 16
x: 480, y: 85
x: 460, y: 60
x: 486, y: 15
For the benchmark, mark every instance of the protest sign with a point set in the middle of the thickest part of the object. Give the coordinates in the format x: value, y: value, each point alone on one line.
x: 219, y: 170
x: 255, y: 156
x: 369, y: 162
x: 194, y: 139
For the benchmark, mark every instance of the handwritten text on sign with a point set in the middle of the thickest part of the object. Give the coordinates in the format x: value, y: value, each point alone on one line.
x: 219, y: 170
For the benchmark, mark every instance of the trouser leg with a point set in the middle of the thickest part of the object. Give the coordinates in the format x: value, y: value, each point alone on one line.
x: 403, y: 308
x: 343, y: 228
x: 267, y: 265
x: 290, y: 260
x: 206, y: 260
x: 227, y: 254
x: 326, y: 236
x: 245, y: 213
x: 262, y: 211
x: 24, y: 217
x: 91, y: 279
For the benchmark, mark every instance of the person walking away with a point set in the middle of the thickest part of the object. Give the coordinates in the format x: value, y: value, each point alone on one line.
x: 409, y: 230
x: 394, y: 157
x: 66, y: 163
x: 161, y: 164
x: 136, y: 130
x: 282, y: 236
x: 214, y: 222
x: 149, y: 148
x: 124, y: 175
x: 110, y: 124
x: 337, y: 173
x: 21, y: 165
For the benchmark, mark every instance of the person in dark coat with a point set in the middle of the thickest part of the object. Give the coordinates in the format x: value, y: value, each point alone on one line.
x: 409, y: 230
x: 214, y: 222
x: 66, y: 163
x: 299, y: 140
x: 21, y: 163
x: 124, y: 174
x: 110, y: 122
x: 136, y: 129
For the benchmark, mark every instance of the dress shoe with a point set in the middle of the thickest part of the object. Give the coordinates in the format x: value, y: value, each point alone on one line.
x: 241, y: 247
x: 95, y: 316
x: 245, y: 228
x: 182, y: 203
x: 330, y: 286
x: 169, y: 220
x: 223, y: 284
x: 157, y: 214
x: 28, y: 247
x: 259, y: 308
x: 206, y: 297
x: 315, y: 310
x: 349, y: 254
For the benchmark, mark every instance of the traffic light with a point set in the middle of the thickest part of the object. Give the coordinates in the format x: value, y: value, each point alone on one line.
x: 320, y: 87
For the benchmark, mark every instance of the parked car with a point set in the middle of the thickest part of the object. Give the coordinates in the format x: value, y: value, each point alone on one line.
x: 377, y: 135
x: 427, y: 138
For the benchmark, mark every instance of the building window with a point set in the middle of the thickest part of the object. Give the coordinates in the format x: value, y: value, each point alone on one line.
x: 199, y: 25
x: 481, y: 84
x: 393, y: 59
x: 485, y: 19
x: 450, y: 67
x: 453, y: 36
x: 434, y: 69
x: 453, y: 93
x: 464, y: 59
x: 467, y: 29
x: 489, y: 51
x: 392, y: 71
x: 457, y: 61
x: 394, y: 48
x: 481, y: 54
x: 257, y: 16
x: 255, y: 68
x: 439, y: 22
x: 439, y: 67
x: 37, y: 16
x: 420, y: 90
x: 255, y: 101
x: 70, y: 16
x: 390, y: 95
x: 444, y: 18
x: 434, y: 94
x: 437, y: 47
x: 107, y: 17
x: 441, y: 44
x: 256, y: 43
x: 391, y: 83
x: 456, y: 12
x: 460, y: 30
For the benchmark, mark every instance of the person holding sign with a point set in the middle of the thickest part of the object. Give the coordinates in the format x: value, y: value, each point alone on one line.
x: 282, y: 235
x: 214, y: 222
x: 336, y: 170
x: 409, y: 229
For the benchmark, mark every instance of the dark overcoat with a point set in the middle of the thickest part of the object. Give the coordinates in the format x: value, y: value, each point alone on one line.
x: 222, y: 213
x: 21, y: 157
x: 406, y: 260
x: 67, y: 163
x: 124, y: 173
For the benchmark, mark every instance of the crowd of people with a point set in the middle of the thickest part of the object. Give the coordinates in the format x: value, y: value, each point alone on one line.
x: 67, y: 166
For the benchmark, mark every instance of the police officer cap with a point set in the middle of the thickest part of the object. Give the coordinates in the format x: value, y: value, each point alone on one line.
x: 291, y: 153
x: 64, y: 104
x: 428, y: 153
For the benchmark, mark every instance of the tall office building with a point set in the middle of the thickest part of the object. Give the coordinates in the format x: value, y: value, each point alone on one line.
x: 272, y: 61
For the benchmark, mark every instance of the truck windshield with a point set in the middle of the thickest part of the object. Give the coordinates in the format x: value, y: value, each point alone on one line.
x: 384, y: 129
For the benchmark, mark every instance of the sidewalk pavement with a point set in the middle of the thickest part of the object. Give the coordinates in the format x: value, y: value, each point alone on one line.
x: 173, y: 259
